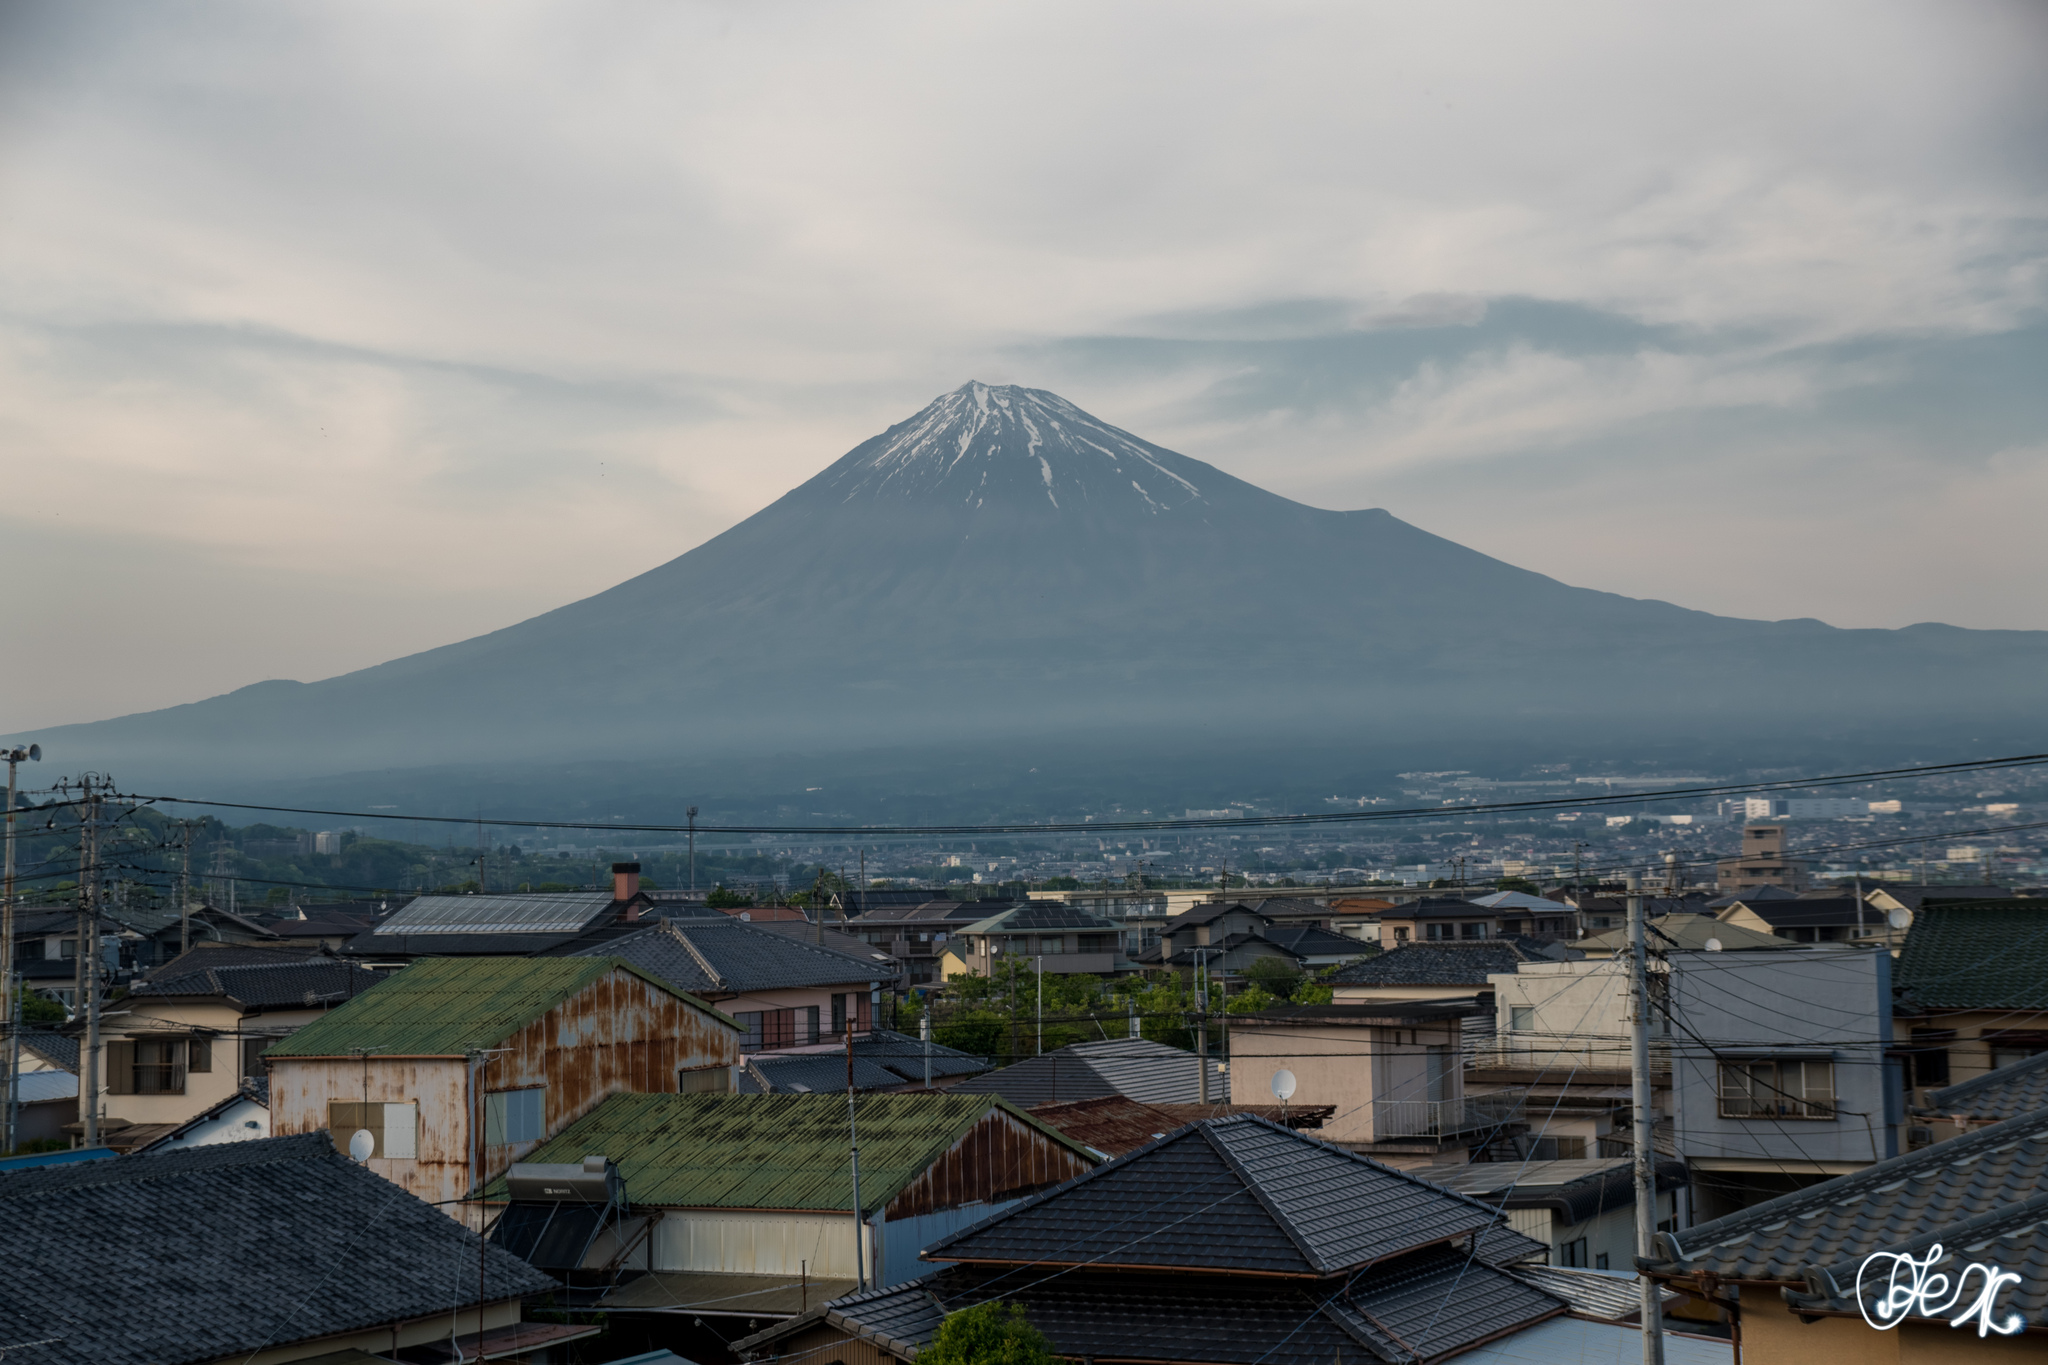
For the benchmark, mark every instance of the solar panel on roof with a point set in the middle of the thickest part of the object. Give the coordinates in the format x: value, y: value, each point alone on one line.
x: 563, y: 912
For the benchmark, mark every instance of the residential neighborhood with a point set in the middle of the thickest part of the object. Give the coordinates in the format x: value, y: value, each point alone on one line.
x: 651, y: 1109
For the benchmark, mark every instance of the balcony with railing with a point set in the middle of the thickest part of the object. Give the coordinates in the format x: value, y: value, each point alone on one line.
x: 1445, y: 1119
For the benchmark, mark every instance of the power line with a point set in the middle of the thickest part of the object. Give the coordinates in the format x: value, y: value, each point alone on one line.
x: 1100, y: 826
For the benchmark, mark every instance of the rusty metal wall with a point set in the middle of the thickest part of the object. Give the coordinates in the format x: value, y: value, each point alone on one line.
x: 620, y: 1033
x: 301, y: 1090
x: 998, y: 1158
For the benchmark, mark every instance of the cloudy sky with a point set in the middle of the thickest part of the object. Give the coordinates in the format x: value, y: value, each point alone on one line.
x: 329, y: 332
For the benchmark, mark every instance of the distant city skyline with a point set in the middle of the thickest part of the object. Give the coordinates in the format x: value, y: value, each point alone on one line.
x: 332, y: 334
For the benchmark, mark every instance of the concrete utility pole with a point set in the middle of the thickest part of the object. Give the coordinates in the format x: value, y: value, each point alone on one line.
x: 860, y: 1271
x: 88, y: 968
x: 1645, y: 1151
x: 185, y: 887
x: 924, y: 1032
x: 692, y: 813
x: 1041, y: 1006
x: 10, y: 1017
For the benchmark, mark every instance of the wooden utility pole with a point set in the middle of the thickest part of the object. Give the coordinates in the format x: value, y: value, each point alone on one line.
x: 1645, y: 1152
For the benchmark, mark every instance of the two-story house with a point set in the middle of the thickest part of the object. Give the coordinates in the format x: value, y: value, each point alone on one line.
x: 453, y: 1068
x: 1776, y: 1061
x: 185, y: 1039
x: 1970, y: 998
x: 787, y: 993
x: 1062, y: 938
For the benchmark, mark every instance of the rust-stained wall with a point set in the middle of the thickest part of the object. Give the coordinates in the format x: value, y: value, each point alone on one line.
x: 999, y: 1158
x: 619, y: 1034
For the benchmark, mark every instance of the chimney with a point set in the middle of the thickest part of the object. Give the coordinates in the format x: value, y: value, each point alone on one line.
x: 625, y: 881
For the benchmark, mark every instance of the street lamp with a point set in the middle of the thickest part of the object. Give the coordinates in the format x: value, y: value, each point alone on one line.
x: 10, y: 1112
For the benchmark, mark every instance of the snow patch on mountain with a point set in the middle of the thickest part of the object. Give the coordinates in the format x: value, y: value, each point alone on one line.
x: 986, y: 442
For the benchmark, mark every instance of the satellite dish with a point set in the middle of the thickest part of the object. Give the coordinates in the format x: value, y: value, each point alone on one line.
x: 1283, y: 1086
x: 360, y: 1144
x: 1713, y: 945
x: 1899, y: 918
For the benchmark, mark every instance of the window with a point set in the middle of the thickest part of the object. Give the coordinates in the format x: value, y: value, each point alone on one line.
x: 838, y: 1015
x: 252, y: 1055
x: 1600, y: 1261
x: 1521, y: 1018
x: 393, y: 1128
x: 199, y: 1055
x: 1573, y: 1253
x: 513, y: 1116
x: 704, y: 1080
x: 1053, y: 944
x: 807, y: 1027
x: 1472, y: 931
x: 752, y: 1041
x: 1778, y: 1089
x: 153, y: 1066
x: 1437, y: 931
x: 1401, y: 935
x: 1928, y: 1057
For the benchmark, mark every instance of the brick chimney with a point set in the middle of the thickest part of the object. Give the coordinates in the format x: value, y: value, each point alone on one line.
x: 625, y: 881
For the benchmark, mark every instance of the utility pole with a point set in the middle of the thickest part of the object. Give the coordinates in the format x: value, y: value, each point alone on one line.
x: 88, y: 968
x: 924, y: 1032
x: 10, y: 1105
x: 1040, y: 961
x: 692, y: 813
x: 1652, y: 1318
x: 860, y: 1271
x: 185, y: 887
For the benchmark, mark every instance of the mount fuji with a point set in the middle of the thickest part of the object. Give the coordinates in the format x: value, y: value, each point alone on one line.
x: 1005, y: 565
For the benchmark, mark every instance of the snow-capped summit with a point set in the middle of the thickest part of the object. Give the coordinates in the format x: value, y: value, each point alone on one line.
x: 1009, y: 447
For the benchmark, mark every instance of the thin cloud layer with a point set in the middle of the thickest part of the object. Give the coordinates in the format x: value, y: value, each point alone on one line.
x: 457, y: 313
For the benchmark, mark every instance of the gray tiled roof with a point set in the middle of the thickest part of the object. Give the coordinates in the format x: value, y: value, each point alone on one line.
x: 1976, y: 955
x: 1933, y: 1193
x: 1449, y: 963
x: 1306, y: 940
x: 1610, y: 1294
x: 223, y: 1251
x: 1133, y: 1067
x: 725, y: 955
x: 207, y: 954
x: 269, y: 985
x: 1269, y: 1201
x: 54, y: 1048
x: 812, y: 1073
x: 1438, y: 1302
x: 2006, y: 1093
x: 2009, y: 1237
x: 1038, y: 916
x: 904, y: 1055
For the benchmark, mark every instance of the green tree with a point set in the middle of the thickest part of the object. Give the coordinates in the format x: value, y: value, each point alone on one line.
x: 992, y: 1333
x: 722, y: 899
x: 1521, y: 884
x: 38, y: 1009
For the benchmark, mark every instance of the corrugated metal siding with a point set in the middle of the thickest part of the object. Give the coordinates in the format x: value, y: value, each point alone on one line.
x: 826, y: 1345
x: 300, y: 1092
x: 620, y: 1032
x: 757, y: 1243
x: 1000, y: 1157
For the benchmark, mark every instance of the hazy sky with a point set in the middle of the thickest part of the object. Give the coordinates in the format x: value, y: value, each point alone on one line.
x: 329, y: 332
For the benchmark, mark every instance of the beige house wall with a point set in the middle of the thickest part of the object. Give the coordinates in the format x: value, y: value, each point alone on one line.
x: 1348, y: 1067
x: 1773, y: 1335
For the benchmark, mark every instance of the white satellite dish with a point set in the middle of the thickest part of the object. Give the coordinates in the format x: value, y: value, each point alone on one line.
x: 1713, y: 945
x: 360, y: 1144
x: 1899, y: 918
x: 1283, y: 1086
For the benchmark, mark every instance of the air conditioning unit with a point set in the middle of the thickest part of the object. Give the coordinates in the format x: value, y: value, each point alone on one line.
x: 1918, y: 1136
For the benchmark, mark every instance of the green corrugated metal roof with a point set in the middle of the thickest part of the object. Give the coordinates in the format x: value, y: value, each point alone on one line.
x: 446, y: 1006
x: 1977, y: 955
x: 772, y: 1151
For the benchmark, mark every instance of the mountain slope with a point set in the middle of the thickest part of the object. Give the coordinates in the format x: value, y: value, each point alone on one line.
x: 1003, y: 563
